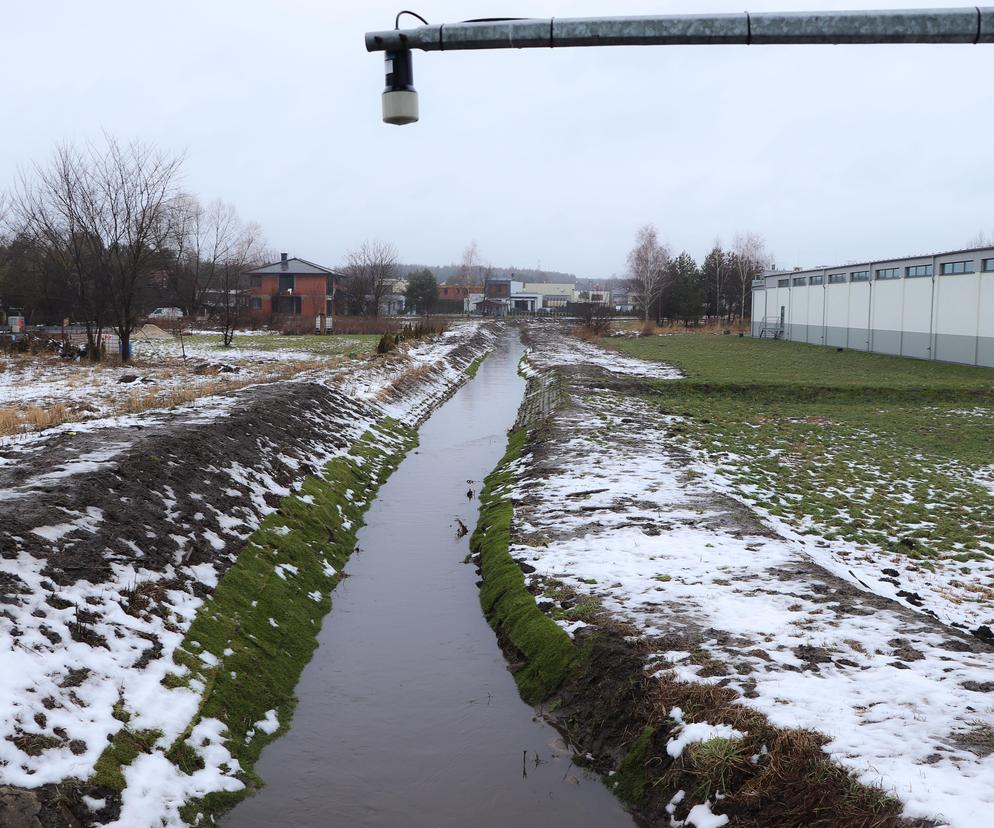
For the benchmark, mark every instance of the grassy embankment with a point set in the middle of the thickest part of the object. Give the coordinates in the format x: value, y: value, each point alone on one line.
x: 260, y: 627
x: 611, y: 691
x: 882, y: 451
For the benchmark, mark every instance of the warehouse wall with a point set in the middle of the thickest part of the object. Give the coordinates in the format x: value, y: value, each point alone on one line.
x: 923, y: 312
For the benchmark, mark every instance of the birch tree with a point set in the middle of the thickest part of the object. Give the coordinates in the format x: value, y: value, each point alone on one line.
x: 750, y: 258
x: 648, y: 264
x: 470, y: 265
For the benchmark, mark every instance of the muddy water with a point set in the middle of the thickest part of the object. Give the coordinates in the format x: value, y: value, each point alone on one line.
x: 408, y: 715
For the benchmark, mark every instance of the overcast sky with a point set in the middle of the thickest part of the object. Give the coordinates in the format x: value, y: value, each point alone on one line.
x: 545, y: 157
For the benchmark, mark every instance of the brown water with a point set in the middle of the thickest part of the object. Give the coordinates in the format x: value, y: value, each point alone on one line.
x: 408, y: 715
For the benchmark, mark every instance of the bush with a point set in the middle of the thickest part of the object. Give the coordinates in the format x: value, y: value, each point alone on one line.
x: 387, y: 343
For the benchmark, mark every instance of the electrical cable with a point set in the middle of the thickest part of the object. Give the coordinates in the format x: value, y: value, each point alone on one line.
x: 396, y: 22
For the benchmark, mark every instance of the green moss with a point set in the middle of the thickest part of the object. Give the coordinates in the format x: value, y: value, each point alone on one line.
x: 260, y: 626
x: 185, y: 757
x: 631, y: 778
x: 123, y: 749
x: 474, y: 366
x: 547, y: 651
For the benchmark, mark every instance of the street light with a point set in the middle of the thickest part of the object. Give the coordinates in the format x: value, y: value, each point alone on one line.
x: 973, y: 24
x: 400, y: 98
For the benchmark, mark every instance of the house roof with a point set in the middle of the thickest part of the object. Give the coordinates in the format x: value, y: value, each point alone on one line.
x: 298, y: 267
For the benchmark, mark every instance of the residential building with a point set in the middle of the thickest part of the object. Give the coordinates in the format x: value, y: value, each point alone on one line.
x: 937, y: 306
x: 623, y: 300
x: 292, y: 287
x: 555, y: 295
x: 457, y: 293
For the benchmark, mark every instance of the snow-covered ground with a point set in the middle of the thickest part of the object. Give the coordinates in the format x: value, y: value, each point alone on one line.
x: 163, y: 369
x: 71, y: 652
x: 618, y: 512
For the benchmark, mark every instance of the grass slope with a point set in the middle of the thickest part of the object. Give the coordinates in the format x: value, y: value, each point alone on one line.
x: 846, y: 444
x: 260, y: 627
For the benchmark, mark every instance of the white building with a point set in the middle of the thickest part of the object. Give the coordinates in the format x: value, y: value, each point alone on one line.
x: 554, y: 294
x: 937, y: 307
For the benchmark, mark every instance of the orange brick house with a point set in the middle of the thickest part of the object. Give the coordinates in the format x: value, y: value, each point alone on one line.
x: 456, y: 293
x: 292, y: 287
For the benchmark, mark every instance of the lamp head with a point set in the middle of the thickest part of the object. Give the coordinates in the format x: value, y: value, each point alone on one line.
x: 400, y: 98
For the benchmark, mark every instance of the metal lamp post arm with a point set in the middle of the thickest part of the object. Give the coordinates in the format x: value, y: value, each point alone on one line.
x: 971, y: 24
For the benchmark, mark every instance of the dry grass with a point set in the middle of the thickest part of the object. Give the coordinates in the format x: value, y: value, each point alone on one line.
x: 9, y: 421
x: 32, y: 418
x: 584, y: 333
x: 22, y: 420
x: 791, y: 784
x: 398, y: 385
x: 652, y: 329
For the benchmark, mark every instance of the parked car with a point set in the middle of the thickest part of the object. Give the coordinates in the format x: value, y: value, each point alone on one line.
x: 166, y: 313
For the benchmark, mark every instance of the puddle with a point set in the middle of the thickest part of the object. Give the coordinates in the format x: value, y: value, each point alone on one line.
x: 408, y: 715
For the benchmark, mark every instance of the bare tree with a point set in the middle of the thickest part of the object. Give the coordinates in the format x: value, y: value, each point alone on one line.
x: 751, y: 257
x: 104, y: 216
x: 648, y: 268
x: 369, y: 271
x: 470, y: 266
x: 127, y: 207
x: 230, y: 298
x: 205, y: 242
x: 982, y: 239
x: 48, y: 206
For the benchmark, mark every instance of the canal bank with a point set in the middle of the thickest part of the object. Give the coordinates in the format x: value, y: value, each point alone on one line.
x: 407, y: 714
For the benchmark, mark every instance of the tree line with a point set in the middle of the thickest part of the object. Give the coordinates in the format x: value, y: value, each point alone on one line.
x: 96, y: 232
x: 99, y: 234
x: 677, y: 288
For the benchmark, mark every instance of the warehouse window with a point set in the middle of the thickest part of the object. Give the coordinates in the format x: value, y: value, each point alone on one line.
x: 860, y: 276
x: 800, y: 281
x: 817, y: 280
x: 988, y: 266
x: 919, y: 270
x: 889, y: 273
x: 783, y: 283
x: 957, y: 267
x: 836, y: 278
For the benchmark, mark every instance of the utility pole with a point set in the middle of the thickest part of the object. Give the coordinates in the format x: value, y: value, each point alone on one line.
x: 969, y: 25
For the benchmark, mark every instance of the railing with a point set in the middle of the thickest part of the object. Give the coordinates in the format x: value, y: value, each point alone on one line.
x: 772, y: 328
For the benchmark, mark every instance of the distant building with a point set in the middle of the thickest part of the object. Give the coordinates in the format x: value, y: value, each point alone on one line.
x: 623, y: 300
x: 938, y: 307
x: 555, y: 295
x: 457, y: 293
x: 292, y: 287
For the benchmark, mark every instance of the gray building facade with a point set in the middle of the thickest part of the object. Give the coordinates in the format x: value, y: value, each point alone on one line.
x: 936, y: 307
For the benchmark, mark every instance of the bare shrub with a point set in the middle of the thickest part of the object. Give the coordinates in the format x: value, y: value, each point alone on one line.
x: 364, y: 325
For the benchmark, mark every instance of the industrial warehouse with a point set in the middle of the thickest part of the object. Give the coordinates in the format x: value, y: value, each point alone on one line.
x: 938, y: 307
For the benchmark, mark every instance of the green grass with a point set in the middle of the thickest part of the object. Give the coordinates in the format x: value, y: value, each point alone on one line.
x: 474, y: 366
x: 258, y: 663
x: 881, y: 451
x: 328, y: 346
x: 548, y: 653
